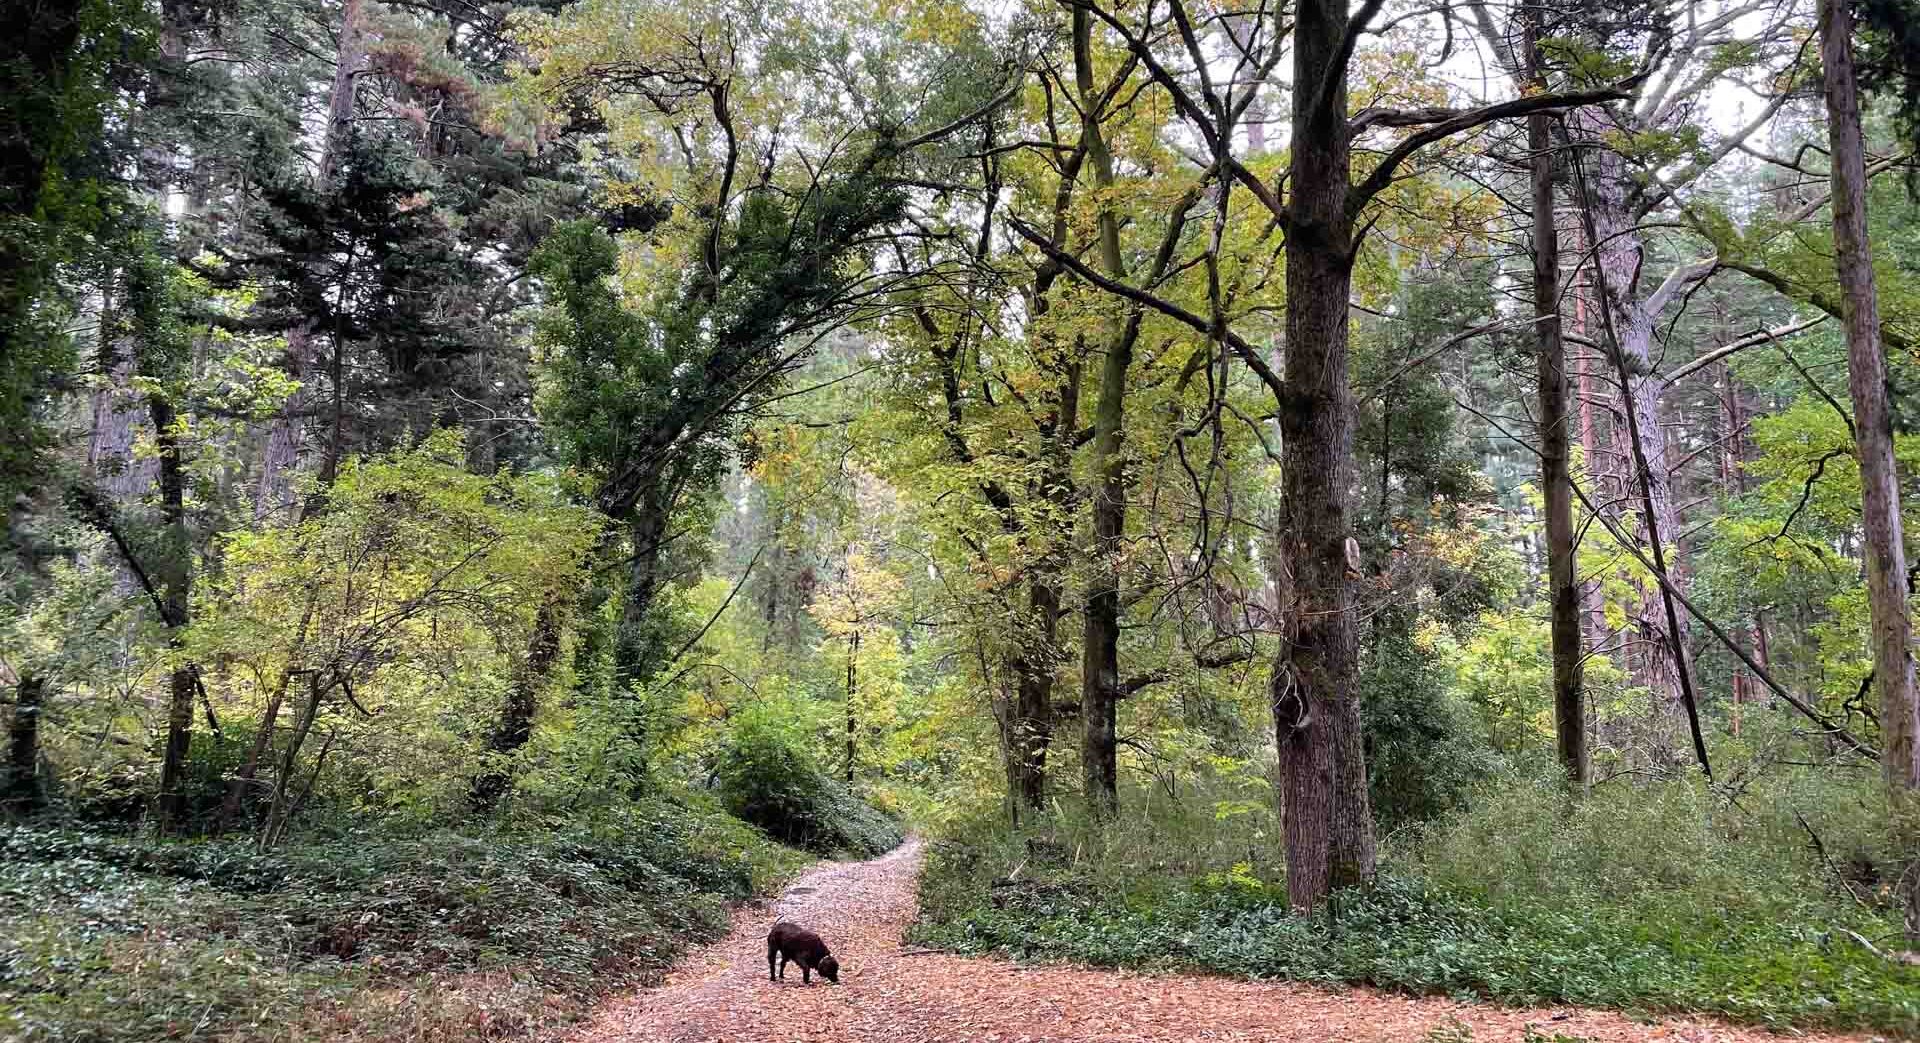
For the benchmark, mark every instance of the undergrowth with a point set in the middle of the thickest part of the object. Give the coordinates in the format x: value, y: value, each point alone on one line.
x: 371, y: 934
x: 769, y: 777
x: 1656, y: 898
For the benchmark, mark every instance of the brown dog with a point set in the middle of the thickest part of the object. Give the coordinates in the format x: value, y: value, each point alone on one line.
x: 794, y: 942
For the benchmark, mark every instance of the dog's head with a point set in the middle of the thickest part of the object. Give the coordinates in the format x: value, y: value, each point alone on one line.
x: 830, y: 969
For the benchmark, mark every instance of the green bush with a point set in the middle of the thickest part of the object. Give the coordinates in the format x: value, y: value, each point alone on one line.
x: 767, y: 778
x: 1425, y: 750
x: 117, y: 938
x: 1659, y: 897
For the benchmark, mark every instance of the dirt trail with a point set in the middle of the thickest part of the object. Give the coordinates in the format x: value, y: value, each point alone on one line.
x: 892, y: 994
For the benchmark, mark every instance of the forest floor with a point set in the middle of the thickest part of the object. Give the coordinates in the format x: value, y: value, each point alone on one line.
x: 894, y: 993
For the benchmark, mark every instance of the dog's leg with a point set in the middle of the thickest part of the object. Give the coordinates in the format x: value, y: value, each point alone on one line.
x: 806, y: 973
x: 771, y: 949
x: 783, y: 966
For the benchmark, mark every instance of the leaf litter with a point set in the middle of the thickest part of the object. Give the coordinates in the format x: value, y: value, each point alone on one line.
x: 892, y: 993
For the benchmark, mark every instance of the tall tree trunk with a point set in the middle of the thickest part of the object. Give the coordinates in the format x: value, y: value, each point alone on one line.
x: 117, y: 421
x: 636, y: 645
x: 273, y: 497
x: 23, y: 791
x: 1650, y: 470
x: 1032, y: 724
x: 1100, y: 646
x: 1886, y: 560
x: 1620, y: 263
x: 286, y: 435
x: 853, y: 687
x: 1732, y: 457
x: 1556, y: 477
x: 515, y: 726
x: 1329, y: 822
x: 1040, y: 655
x: 1590, y: 449
x: 174, y: 572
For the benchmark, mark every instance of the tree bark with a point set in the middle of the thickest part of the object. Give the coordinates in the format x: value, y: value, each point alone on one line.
x: 1100, y: 645
x: 175, y: 575
x: 286, y: 435
x: 1620, y: 262
x: 1886, y: 561
x: 1556, y: 476
x: 636, y: 645
x: 1651, y: 474
x: 116, y: 422
x: 853, y: 687
x: 515, y: 726
x: 23, y: 792
x: 1040, y: 656
x: 1329, y: 821
x: 277, y: 810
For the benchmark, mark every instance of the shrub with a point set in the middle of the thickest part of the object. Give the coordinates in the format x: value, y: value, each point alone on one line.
x: 1659, y: 897
x: 115, y: 938
x: 768, y: 779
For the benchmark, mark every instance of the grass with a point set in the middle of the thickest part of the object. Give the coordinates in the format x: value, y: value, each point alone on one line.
x: 1656, y: 899
x: 370, y: 935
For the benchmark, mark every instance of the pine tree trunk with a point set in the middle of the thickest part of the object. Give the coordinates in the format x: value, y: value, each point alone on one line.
x: 1556, y: 477
x: 286, y: 434
x: 273, y: 497
x: 1329, y: 822
x: 1620, y: 258
x: 1886, y: 562
x: 174, y: 574
x: 117, y: 422
x: 1669, y: 643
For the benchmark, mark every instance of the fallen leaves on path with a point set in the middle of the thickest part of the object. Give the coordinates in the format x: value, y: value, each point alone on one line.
x: 893, y: 994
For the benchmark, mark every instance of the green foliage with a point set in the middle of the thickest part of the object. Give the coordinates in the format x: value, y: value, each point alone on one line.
x: 59, y: 72
x: 1658, y: 898
x: 1425, y: 748
x: 768, y: 778
x: 110, y: 938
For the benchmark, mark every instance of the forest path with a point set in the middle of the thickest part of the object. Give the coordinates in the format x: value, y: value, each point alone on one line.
x: 893, y: 994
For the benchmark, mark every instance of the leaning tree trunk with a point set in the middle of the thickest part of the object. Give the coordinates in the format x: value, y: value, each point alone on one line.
x: 1886, y: 562
x: 1100, y: 647
x: 1329, y: 821
x: 1556, y: 477
x: 1620, y: 260
x: 1650, y: 479
x: 515, y: 726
